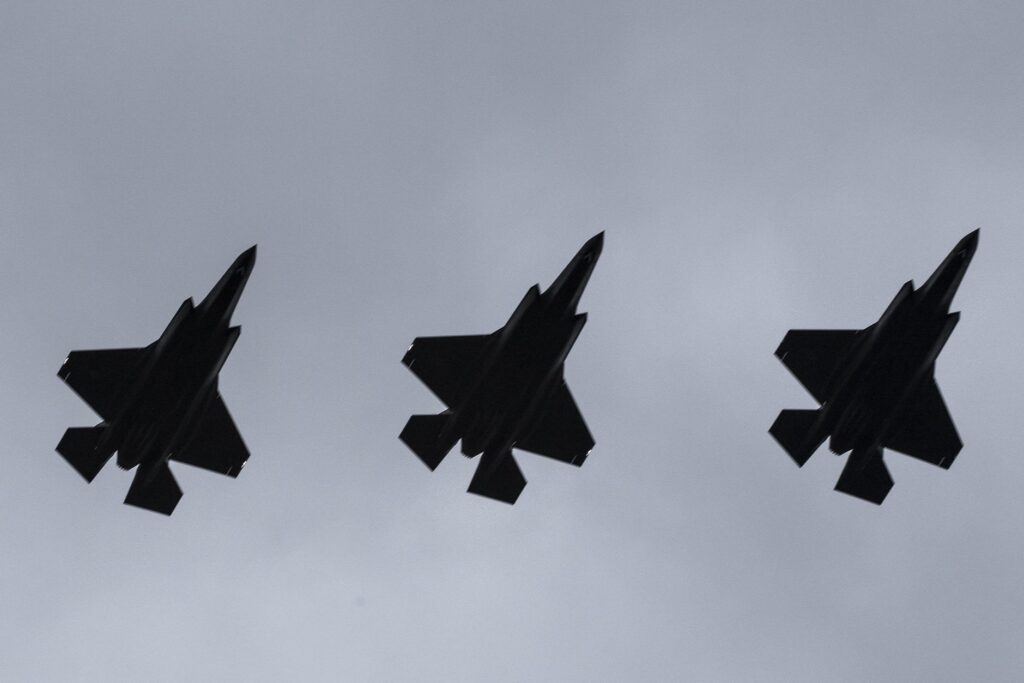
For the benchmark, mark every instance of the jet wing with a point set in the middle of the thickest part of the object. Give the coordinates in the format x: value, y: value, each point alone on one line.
x: 441, y: 362
x: 814, y: 355
x: 866, y: 476
x: 560, y: 431
x: 498, y: 477
x: 154, y: 488
x: 216, y: 446
x: 925, y: 430
x: 100, y: 377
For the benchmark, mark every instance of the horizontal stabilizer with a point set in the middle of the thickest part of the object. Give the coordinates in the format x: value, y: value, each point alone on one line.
x: 216, y: 446
x: 925, y: 430
x: 423, y: 433
x: 498, y: 477
x: 154, y: 489
x: 865, y: 476
x: 442, y: 362
x: 100, y: 377
x: 78, y: 447
x: 813, y: 356
x: 794, y: 430
x: 560, y: 431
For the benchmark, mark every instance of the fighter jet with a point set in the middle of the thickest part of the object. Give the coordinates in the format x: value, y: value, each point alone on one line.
x: 876, y: 386
x: 506, y: 389
x: 161, y: 402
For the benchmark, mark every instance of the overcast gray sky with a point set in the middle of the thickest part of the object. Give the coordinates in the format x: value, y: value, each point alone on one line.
x: 411, y: 169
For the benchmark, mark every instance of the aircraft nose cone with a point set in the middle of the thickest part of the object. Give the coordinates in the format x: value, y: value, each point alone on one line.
x: 964, y: 250
x: 970, y: 242
x: 247, y: 259
x: 594, y: 245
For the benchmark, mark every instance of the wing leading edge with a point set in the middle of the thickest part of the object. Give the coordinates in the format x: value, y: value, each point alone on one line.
x: 216, y: 446
x: 441, y: 362
x: 925, y: 430
x: 813, y: 356
x: 101, y: 376
x: 560, y: 433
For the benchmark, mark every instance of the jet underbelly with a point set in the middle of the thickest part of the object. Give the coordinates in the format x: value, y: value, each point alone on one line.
x: 495, y: 412
x: 885, y: 382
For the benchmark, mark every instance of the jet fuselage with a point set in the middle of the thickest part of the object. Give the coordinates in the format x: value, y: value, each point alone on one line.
x: 178, y: 377
x: 506, y: 389
x: 890, y: 359
x: 519, y: 371
x: 522, y: 363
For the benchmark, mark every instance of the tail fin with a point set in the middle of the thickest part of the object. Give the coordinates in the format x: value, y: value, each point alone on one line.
x: 78, y: 447
x: 794, y: 430
x: 498, y: 477
x: 865, y: 476
x: 154, y: 489
x: 423, y: 434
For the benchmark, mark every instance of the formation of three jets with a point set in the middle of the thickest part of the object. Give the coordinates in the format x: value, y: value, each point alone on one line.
x: 506, y: 390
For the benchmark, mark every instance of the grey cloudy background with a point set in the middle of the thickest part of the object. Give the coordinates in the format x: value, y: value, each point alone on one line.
x: 410, y: 169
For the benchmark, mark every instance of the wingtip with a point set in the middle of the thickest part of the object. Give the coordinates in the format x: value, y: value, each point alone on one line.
x: 407, y: 359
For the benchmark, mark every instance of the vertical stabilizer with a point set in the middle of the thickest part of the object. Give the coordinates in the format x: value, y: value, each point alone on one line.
x: 425, y: 435
x: 498, y: 477
x: 154, y: 488
x: 866, y: 476
x: 795, y: 432
x: 78, y: 447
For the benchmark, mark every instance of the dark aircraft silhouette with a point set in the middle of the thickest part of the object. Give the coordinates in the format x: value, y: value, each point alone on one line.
x: 505, y: 389
x: 161, y: 402
x: 877, y: 386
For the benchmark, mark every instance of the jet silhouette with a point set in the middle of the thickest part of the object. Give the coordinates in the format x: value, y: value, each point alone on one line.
x: 876, y: 386
x: 161, y: 402
x: 506, y: 389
